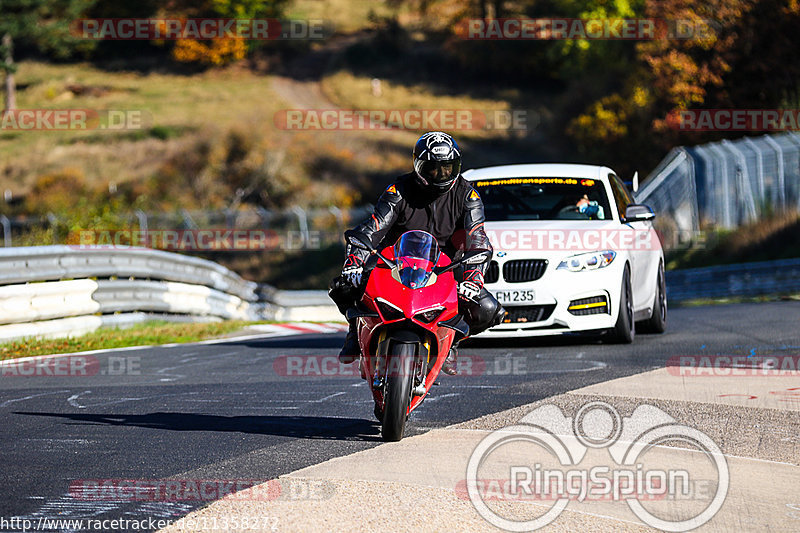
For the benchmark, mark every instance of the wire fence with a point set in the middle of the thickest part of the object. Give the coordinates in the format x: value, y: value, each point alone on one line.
x: 725, y: 184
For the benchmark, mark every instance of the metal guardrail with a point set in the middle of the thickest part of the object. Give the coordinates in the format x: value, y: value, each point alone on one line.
x: 46, y: 290
x: 68, y: 290
x: 744, y: 279
x: 59, y: 262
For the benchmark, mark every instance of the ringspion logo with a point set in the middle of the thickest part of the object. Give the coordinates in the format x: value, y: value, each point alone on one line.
x: 574, y: 467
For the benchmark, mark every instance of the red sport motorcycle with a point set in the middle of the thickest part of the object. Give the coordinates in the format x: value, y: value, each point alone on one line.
x: 407, y: 321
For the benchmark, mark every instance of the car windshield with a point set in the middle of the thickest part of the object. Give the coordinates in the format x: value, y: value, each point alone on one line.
x: 544, y: 198
x: 416, y: 253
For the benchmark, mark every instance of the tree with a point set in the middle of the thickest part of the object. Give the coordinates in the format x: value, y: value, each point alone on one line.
x: 731, y: 54
x: 224, y: 50
x: 40, y: 24
x: 10, y: 102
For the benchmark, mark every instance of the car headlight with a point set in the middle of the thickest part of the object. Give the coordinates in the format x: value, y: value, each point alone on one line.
x: 429, y: 315
x: 388, y: 310
x: 588, y: 261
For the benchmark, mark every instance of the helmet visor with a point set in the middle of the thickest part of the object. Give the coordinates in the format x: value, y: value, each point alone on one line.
x: 438, y: 172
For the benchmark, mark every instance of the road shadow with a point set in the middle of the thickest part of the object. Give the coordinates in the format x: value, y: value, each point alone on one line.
x: 335, y: 340
x: 533, y: 342
x: 301, y: 427
x: 327, y: 341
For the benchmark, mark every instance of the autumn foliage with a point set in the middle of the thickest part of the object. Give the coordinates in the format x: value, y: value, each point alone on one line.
x: 744, y: 57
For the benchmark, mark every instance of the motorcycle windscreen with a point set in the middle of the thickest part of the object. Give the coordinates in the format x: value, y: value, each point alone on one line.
x: 416, y: 253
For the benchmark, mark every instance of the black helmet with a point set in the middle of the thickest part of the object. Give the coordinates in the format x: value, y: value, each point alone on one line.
x: 437, y: 161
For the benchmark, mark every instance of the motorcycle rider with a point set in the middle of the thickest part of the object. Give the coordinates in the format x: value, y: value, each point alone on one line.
x: 433, y: 198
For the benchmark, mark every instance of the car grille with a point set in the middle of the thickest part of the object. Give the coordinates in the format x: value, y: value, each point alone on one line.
x: 528, y: 313
x: 596, y: 305
x: 492, y: 273
x: 521, y: 270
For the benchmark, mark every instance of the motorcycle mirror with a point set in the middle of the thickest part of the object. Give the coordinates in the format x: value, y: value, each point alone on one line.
x: 357, y: 240
x: 391, y: 263
x: 475, y: 257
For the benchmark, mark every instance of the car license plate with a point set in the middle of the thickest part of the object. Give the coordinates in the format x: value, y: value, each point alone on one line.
x: 515, y: 296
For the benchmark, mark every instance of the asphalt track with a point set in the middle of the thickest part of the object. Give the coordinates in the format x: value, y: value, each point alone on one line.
x: 229, y: 411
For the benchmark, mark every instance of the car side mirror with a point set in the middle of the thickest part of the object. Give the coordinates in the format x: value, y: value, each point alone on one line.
x: 638, y: 213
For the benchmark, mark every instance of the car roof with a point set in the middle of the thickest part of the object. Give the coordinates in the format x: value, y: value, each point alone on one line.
x: 537, y: 170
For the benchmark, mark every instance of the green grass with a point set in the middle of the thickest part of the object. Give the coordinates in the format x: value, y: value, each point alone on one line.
x: 148, y: 333
x: 355, y: 92
x: 172, y: 107
x: 346, y: 16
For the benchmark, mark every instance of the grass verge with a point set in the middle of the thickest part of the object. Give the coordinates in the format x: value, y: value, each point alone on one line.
x: 148, y: 333
x: 351, y: 91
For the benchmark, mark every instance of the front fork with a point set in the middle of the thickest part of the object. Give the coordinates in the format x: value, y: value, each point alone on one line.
x: 421, y: 365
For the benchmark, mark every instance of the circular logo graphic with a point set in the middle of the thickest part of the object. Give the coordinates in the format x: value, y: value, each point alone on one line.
x: 596, y: 425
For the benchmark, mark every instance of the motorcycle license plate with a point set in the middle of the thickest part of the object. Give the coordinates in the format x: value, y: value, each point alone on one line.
x: 515, y: 296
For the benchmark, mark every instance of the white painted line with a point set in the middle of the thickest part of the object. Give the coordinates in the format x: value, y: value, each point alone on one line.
x: 282, y: 333
x: 5, y: 362
x: 73, y: 400
x: 9, y: 402
x: 328, y: 397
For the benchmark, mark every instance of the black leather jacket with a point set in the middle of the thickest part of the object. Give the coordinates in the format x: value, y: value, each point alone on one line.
x: 455, y: 218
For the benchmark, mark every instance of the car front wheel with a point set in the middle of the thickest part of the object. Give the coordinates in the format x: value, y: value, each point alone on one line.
x: 657, y: 323
x: 625, y: 328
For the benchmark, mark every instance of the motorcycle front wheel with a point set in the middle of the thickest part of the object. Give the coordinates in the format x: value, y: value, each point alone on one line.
x: 397, y: 393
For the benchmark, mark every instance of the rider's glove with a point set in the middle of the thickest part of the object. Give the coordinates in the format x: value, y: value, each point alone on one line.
x: 471, y: 286
x: 352, y: 270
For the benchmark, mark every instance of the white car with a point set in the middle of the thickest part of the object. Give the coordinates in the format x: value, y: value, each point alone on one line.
x: 572, y: 252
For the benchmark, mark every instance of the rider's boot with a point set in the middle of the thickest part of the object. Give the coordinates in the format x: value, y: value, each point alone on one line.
x: 351, y: 351
x: 450, y: 366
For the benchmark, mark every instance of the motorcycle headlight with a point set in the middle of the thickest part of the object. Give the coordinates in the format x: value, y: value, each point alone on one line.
x: 588, y: 261
x: 388, y: 310
x: 429, y: 315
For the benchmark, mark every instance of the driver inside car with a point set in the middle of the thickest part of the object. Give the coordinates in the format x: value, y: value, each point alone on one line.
x: 590, y: 208
x: 434, y: 197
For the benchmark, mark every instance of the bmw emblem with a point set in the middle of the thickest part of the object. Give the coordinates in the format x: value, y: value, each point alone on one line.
x: 501, y: 254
